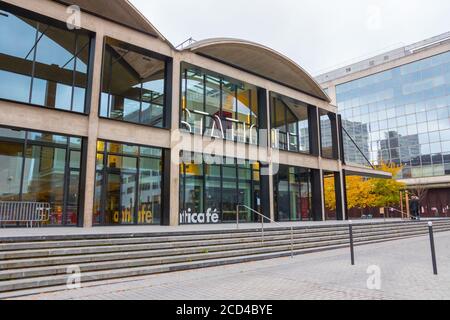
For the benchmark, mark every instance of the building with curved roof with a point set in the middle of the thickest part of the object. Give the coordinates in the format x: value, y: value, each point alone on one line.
x: 105, y: 122
x: 261, y: 61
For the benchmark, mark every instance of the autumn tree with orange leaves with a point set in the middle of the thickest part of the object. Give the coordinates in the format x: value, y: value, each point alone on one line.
x: 363, y: 193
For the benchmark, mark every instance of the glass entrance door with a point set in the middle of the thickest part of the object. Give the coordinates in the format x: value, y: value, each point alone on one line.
x: 112, y: 207
x: 128, y: 198
x: 120, y: 198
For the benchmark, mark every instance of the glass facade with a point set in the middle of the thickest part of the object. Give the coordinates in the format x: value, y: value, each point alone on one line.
x: 401, y: 115
x: 328, y: 132
x: 43, y: 64
x: 212, y: 188
x: 42, y: 167
x: 330, y: 196
x: 292, y: 194
x: 128, y: 184
x: 289, y: 123
x: 216, y: 106
x: 133, y: 85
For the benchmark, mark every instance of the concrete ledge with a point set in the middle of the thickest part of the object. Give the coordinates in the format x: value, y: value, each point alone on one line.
x: 72, y: 233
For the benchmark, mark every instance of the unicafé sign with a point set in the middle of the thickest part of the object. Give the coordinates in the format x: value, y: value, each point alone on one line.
x: 189, y: 217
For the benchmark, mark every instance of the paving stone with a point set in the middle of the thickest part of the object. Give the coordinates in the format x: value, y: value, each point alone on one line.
x: 406, y: 273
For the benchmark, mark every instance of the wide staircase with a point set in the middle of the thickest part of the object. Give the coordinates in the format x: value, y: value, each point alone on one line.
x: 36, y: 262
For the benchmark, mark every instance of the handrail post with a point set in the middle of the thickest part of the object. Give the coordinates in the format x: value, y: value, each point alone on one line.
x: 262, y: 229
x: 292, y: 242
x: 237, y: 217
x: 352, y: 250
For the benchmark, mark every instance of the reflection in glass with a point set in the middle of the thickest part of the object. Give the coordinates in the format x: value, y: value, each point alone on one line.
x: 41, y: 167
x: 327, y: 131
x: 128, y: 185
x: 133, y: 85
x: 11, y: 155
x: 43, y: 64
x: 217, y: 106
x: 292, y: 191
x: 415, y: 106
x: 219, y: 187
x: 289, y: 124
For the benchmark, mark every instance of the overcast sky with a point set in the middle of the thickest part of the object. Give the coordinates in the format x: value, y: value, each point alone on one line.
x: 318, y: 34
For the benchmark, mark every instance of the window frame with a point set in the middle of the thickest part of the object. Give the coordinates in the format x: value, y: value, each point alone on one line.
x: 105, y: 171
x: 309, y: 109
x: 9, y: 8
x: 68, y: 169
x: 168, y: 66
x: 185, y: 67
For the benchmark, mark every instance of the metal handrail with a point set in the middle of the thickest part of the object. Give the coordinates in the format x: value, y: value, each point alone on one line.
x: 403, y: 213
x: 262, y: 224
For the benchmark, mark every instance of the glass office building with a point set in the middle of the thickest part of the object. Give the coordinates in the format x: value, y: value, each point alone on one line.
x: 402, y: 116
x: 400, y: 113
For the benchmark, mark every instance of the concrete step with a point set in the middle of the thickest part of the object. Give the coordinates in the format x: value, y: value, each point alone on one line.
x: 175, y: 247
x: 199, y: 234
x: 13, y: 288
x: 191, y: 243
x: 54, y: 280
x: 125, y: 261
x: 44, y: 263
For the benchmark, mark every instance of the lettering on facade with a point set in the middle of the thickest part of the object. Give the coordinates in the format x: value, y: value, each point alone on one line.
x: 126, y: 216
x: 188, y: 217
x: 225, y: 129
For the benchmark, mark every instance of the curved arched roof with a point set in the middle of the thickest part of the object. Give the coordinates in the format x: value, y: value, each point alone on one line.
x: 120, y: 11
x: 261, y: 61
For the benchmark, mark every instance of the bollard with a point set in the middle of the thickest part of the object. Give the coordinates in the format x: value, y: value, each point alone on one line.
x: 352, y: 250
x: 433, y: 249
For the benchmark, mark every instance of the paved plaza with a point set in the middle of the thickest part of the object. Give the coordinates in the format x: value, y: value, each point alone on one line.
x: 405, y: 273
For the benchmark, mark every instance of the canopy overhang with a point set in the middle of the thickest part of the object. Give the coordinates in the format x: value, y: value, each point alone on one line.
x: 355, y: 170
x: 261, y: 61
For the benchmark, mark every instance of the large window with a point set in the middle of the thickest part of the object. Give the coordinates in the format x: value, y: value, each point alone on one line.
x: 43, y: 64
x: 289, y: 124
x: 217, y: 106
x: 42, y: 167
x: 292, y: 191
x: 133, y: 85
x: 128, y: 184
x: 328, y: 134
x: 212, y: 188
